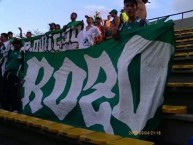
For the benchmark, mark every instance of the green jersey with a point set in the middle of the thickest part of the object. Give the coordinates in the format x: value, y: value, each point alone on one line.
x: 14, y: 62
x: 136, y: 24
x: 74, y: 23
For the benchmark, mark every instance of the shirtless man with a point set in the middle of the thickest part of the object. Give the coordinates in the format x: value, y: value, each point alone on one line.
x: 141, y: 12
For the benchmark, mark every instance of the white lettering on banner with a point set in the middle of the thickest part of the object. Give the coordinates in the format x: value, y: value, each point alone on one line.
x: 65, y: 105
x: 49, y: 42
x: 103, y: 115
x: 55, y: 37
x: 63, y: 108
x: 35, y: 45
x: 30, y: 82
x: 153, y: 74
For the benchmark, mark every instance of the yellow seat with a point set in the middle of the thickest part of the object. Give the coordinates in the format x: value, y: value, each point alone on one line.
x: 185, y: 54
x: 10, y: 116
x: 38, y: 123
x: 57, y: 128
x: 75, y: 133
x: 179, y: 40
x: 130, y: 141
x: 182, y: 66
x: 188, y: 29
x: 2, y: 113
x: 177, y: 34
x: 174, y: 109
x: 181, y: 46
x: 99, y: 138
x: 178, y: 30
x: 22, y: 119
x: 189, y: 45
x: 180, y: 84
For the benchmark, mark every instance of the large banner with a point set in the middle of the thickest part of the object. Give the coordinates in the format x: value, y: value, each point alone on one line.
x: 114, y: 87
x: 55, y: 41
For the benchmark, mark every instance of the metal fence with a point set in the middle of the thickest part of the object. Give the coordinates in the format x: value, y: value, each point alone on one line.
x: 180, y: 15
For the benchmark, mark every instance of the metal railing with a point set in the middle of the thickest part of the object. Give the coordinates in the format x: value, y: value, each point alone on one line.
x: 167, y: 16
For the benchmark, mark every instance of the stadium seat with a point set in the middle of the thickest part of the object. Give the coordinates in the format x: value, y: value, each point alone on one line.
x: 75, y: 133
x: 10, y: 116
x: 174, y: 109
x: 56, y: 127
x: 99, y: 138
x: 39, y: 123
x: 180, y: 85
x: 181, y: 46
x: 185, y: 54
x: 24, y: 119
x: 182, y: 67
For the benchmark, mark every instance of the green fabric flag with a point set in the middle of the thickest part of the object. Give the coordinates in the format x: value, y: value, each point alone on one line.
x: 114, y: 87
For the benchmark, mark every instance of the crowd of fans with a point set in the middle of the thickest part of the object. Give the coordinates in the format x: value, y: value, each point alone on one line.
x: 95, y: 31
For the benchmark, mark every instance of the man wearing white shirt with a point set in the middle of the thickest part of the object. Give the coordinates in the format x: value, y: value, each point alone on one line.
x: 86, y: 37
x: 4, y: 49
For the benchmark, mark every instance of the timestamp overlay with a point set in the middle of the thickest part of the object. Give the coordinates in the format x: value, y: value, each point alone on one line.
x: 149, y: 132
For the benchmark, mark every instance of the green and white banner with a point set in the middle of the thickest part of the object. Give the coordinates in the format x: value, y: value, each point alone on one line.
x: 114, y: 87
x: 54, y: 41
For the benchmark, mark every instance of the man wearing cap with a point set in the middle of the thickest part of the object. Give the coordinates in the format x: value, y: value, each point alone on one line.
x: 131, y: 8
x: 52, y: 26
x: 123, y: 16
x: 101, y: 28
x: 114, y: 24
x: 116, y: 19
x: 86, y: 37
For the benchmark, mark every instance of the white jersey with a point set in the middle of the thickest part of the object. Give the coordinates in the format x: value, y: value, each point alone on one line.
x: 86, y: 38
x: 4, y: 52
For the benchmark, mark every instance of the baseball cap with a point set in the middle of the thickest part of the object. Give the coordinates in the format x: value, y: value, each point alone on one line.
x: 145, y: 1
x: 52, y: 24
x: 88, y: 16
x: 122, y: 10
x: 113, y: 11
x: 130, y: 1
x: 98, y: 18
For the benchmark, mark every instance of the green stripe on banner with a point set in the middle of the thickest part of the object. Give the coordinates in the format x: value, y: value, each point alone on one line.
x: 134, y: 75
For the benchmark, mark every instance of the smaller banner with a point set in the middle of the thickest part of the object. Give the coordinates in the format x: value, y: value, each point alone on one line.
x: 55, y: 41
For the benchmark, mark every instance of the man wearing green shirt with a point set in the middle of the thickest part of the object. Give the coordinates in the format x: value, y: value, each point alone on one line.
x: 131, y: 7
x: 71, y: 31
x: 11, y: 81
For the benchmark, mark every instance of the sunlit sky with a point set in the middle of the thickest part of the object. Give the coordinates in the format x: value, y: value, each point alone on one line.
x: 33, y: 15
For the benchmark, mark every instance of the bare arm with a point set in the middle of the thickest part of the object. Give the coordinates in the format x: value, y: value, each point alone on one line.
x: 141, y: 12
x: 20, y: 34
x: 117, y: 22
